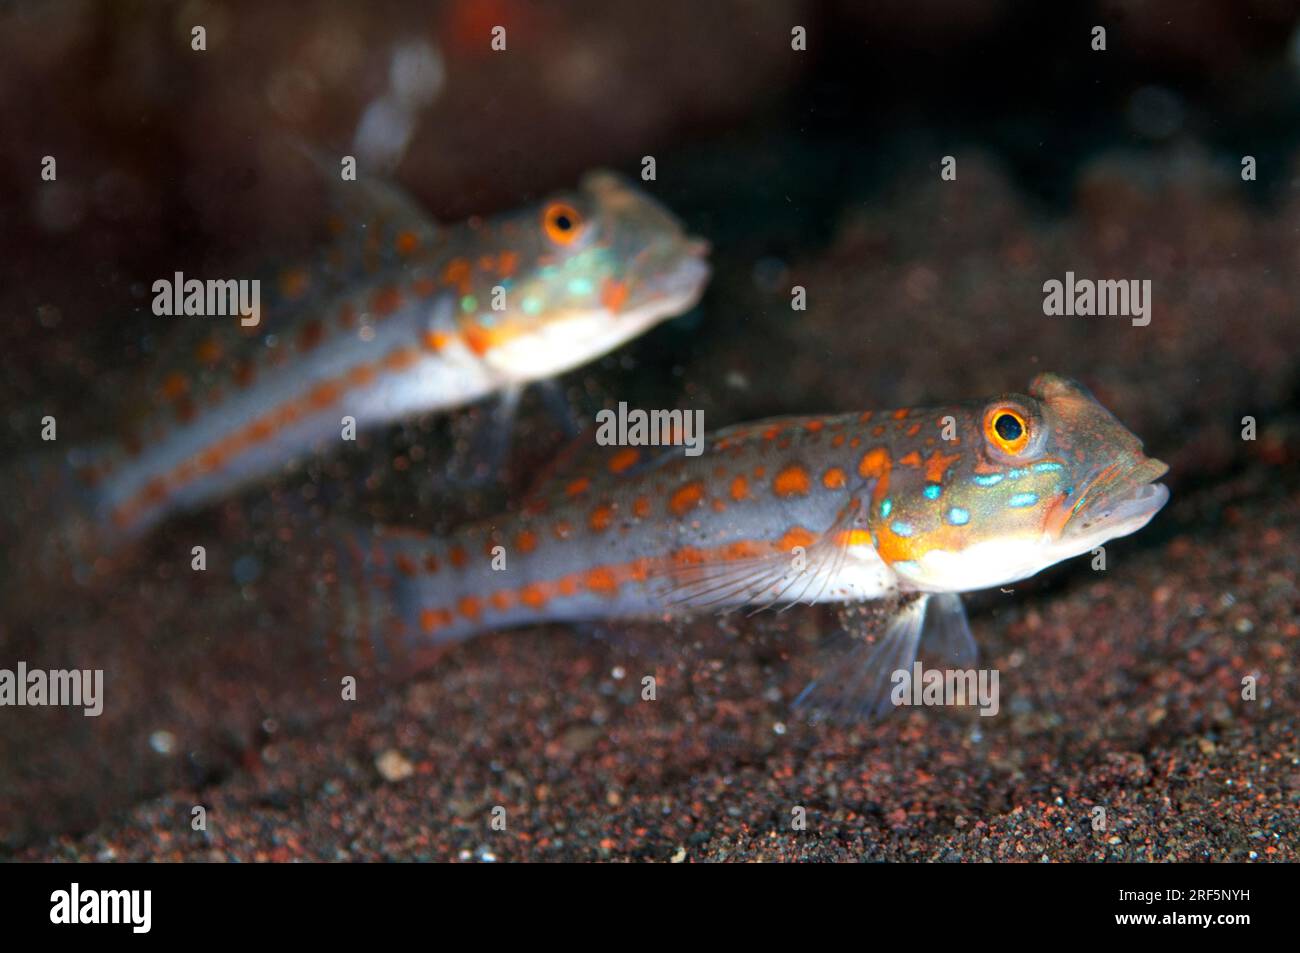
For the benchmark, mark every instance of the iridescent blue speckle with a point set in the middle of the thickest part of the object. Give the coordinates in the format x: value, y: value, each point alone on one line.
x: 1047, y: 467
x: 900, y: 528
x: 1016, y: 473
x: 1023, y: 499
x: 958, y: 516
x: 990, y: 479
x: 886, y: 507
x: 932, y: 491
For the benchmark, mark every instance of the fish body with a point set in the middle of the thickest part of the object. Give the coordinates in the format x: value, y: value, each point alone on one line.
x: 409, y: 318
x: 845, y: 508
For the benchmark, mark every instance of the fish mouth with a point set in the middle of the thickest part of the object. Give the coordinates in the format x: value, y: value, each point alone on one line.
x: 681, y: 284
x: 1117, y: 501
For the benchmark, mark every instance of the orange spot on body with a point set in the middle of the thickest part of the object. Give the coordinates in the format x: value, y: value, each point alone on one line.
x: 833, y: 479
x: 641, y: 507
x: 624, y: 459
x: 424, y: 287
x: 176, y: 385
x: 209, y: 352
x: 742, y: 549
x: 912, y: 459
x: 479, y: 339
x: 739, y: 488
x: 791, y: 481
x: 386, y: 301
x: 797, y: 536
x: 293, y: 283
x: 406, y: 242
x: 323, y: 395
x: 402, y: 358
x: 311, y: 335
x: 578, y: 486
x: 613, y: 295
x: 875, y: 465
x: 901, y: 414
x: 533, y: 596
x: 600, y: 518
x: 457, y: 557
x: 686, y: 498
x: 690, y: 556
x: 601, y: 580
x: 361, y: 375
x: 526, y: 541
x: 457, y: 273
x: 470, y: 608
x: 937, y: 464
x: 435, y: 341
x: 913, y: 430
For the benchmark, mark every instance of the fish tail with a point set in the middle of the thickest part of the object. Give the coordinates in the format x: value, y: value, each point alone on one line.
x: 48, y: 522
x: 371, y: 597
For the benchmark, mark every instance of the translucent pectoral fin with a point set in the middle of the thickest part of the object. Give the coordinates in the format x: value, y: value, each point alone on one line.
x: 947, y: 642
x: 860, y: 681
x: 482, y: 455
x: 777, y: 575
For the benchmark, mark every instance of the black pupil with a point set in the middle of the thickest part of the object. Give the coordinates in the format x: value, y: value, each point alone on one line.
x: 1008, y: 427
x: 562, y: 222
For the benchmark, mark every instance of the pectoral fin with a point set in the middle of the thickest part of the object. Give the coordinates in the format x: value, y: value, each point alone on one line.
x: 857, y: 683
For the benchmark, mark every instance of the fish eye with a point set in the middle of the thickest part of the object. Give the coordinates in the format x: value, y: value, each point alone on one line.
x: 1007, y: 430
x: 562, y: 223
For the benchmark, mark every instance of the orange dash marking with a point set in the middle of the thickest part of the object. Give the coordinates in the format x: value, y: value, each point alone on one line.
x: 686, y: 498
x: 624, y: 459
x: 792, y: 481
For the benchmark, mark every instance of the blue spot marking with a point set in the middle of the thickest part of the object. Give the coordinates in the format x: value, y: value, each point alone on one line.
x: 1047, y: 467
x: 886, y: 507
x: 1016, y: 474
x: 1023, y: 499
x: 932, y: 491
x: 958, y: 517
x: 992, y: 479
x: 900, y: 528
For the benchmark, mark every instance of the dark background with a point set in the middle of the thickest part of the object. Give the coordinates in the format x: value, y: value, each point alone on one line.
x: 817, y: 168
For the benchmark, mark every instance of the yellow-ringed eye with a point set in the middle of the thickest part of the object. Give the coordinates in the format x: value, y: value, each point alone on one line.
x: 1006, y: 429
x: 561, y: 222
